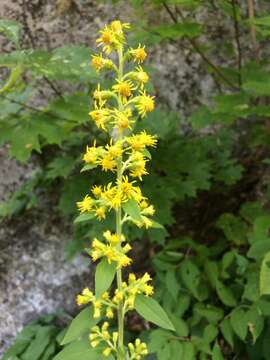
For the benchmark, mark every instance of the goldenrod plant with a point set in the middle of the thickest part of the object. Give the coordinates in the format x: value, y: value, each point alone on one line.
x: 116, y: 111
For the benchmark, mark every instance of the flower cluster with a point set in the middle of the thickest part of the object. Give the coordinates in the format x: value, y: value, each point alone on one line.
x: 101, y: 335
x: 116, y: 111
x: 106, y: 305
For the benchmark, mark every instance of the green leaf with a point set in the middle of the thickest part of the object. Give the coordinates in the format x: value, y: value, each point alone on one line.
x: 60, y: 167
x: 234, y: 228
x: 39, y: 344
x: 210, y: 332
x: 210, y: 312
x: 181, y: 327
x: 81, y: 324
x: 150, y: 310
x: 225, y: 294
x: 259, y: 249
x: 238, y: 323
x: 132, y: 209
x: 23, y: 339
x: 189, y: 351
x: 11, y: 29
x: 227, y: 332
x: 265, y: 275
x: 147, y: 154
x: 255, y: 322
x: 156, y: 225
x: 49, y: 351
x: 88, y: 167
x: 172, y: 284
x: 104, y: 276
x: 79, y: 350
x: 191, y: 277
x: 177, y: 31
x: 217, y: 353
x: 84, y: 217
x: 251, y: 291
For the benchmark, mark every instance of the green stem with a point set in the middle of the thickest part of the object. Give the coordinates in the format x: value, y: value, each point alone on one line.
x: 121, y: 350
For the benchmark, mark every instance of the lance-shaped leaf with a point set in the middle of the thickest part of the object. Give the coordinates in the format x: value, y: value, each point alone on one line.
x: 84, y: 217
x: 150, y: 310
x: 80, y: 325
x: 104, y: 276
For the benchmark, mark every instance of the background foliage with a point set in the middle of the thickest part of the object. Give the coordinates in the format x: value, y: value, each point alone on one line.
x: 211, y: 260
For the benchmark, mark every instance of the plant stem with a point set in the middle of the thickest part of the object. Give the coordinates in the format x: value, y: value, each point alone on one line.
x: 121, y: 350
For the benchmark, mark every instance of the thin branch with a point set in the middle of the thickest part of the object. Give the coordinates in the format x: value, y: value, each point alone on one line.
x: 253, y: 30
x: 237, y: 40
x: 35, y: 109
x: 196, y: 47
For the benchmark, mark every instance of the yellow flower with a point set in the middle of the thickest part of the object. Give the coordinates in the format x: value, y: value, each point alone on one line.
x: 99, y: 63
x: 106, y: 40
x: 108, y: 163
x: 106, y: 352
x: 115, y: 150
x: 86, y: 297
x: 145, y: 104
x: 100, y: 213
x: 138, y: 167
x: 101, y: 95
x: 141, y: 76
x: 100, y: 115
x: 92, y: 154
x: 124, y: 88
x: 112, y: 238
x: 117, y: 27
x: 109, y: 313
x: 85, y: 205
x: 122, y: 119
x: 138, y: 54
x: 138, y: 142
x: 97, y: 191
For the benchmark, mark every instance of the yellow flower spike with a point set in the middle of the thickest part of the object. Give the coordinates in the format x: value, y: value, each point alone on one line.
x: 85, y: 205
x: 125, y: 155
x: 139, y: 55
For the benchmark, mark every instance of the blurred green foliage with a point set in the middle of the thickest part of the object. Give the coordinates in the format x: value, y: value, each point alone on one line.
x: 211, y: 260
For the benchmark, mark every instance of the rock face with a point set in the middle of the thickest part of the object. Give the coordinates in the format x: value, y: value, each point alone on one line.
x: 35, y: 277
